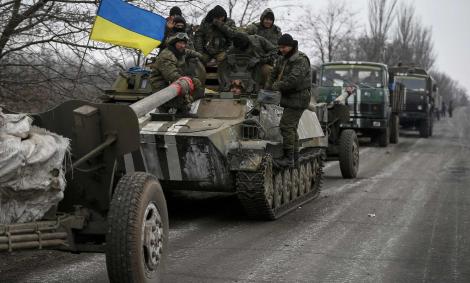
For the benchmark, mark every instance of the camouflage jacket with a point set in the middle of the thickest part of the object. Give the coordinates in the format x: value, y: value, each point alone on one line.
x: 167, y: 67
x: 260, y: 48
x: 292, y: 77
x: 212, y: 39
x: 272, y: 34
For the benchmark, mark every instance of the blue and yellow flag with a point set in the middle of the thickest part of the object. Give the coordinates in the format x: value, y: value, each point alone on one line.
x: 123, y: 24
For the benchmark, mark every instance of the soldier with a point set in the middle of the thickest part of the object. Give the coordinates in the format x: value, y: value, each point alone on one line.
x: 262, y: 52
x: 179, y: 25
x: 266, y: 27
x: 214, y: 35
x: 292, y: 77
x: 170, y: 65
x: 174, y: 11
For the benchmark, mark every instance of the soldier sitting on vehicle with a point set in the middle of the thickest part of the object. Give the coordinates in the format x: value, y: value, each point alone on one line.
x: 292, y: 77
x: 170, y: 65
x: 266, y: 27
x: 214, y: 35
x: 179, y: 25
x: 261, y: 52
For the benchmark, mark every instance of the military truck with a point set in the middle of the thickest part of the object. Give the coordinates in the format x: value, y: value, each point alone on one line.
x: 374, y: 105
x: 227, y: 144
x: 419, y: 102
x: 112, y: 203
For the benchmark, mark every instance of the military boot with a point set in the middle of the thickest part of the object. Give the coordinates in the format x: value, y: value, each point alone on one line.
x: 287, y: 160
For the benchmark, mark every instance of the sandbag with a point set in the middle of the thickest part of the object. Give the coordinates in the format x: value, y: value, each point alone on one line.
x: 32, y: 178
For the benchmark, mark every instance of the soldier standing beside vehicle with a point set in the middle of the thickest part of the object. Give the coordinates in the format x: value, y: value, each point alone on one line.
x: 172, y: 64
x: 450, y: 108
x: 292, y: 77
x: 214, y: 35
x: 266, y: 27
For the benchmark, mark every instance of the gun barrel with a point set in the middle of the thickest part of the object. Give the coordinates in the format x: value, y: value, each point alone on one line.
x: 182, y: 86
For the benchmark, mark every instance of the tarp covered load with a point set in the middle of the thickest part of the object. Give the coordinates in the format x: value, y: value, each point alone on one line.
x: 31, y: 169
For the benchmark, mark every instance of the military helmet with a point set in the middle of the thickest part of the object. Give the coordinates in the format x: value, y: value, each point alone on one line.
x: 180, y: 36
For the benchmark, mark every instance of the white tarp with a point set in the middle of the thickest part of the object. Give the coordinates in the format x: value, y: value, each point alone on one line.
x: 31, y: 169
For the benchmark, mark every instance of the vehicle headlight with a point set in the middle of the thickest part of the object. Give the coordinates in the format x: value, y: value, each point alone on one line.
x: 420, y: 107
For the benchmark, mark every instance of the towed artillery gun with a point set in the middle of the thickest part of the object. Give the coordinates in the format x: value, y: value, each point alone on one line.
x: 224, y: 146
x: 112, y: 202
x: 343, y: 144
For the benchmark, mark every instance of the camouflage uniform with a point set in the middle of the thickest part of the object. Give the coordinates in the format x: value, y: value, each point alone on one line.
x: 261, y: 50
x: 272, y: 34
x: 213, y: 38
x: 170, y: 66
x: 292, y: 77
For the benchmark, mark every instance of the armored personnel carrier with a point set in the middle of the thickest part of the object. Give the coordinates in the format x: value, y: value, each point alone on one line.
x: 227, y: 144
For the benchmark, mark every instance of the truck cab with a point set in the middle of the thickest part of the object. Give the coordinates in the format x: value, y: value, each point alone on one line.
x: 370, y: 104
x: 419, y: 100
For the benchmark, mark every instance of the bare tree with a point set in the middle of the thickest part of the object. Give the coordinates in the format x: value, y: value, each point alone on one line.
x: 329, y: 31
x: 44, y: 42
x: 381, y: 18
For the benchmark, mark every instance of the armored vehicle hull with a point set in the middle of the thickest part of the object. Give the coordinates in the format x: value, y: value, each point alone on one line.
x: 223, y: 148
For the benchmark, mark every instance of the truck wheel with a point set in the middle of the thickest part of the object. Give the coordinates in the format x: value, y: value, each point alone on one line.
x: 137, y: 237
x: 348, y: 154
x: 384, y: 137
x: 424, y: 128
x: 394, y: 129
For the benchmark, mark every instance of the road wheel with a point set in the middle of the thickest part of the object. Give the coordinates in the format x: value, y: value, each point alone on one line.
x: 278, y: 187
x: 295, y: 183
x: 384, y: 137
x: 424, y: 128
x: 395, y: 127
x: 348, y: 154
x: 137, y: 237
x: 287, y: 186
x: 302, y: 178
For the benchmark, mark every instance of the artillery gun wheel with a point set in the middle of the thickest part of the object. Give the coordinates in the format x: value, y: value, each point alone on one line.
x: 424, y: 128
x: 137, y: 237
x: 348, y: 154
x: 395, y: 128
x: 384, y: 137
x: 287, y: 186
x: 295, y: 183
x: 284, y: 183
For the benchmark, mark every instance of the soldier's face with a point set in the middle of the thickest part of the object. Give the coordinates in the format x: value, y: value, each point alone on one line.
x: 267, y: 22
x: 180, y: 46
x: 179, y: 25
x: 284, y: 49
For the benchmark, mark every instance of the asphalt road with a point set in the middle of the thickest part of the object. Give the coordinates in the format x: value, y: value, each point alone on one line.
x: 406, y: 218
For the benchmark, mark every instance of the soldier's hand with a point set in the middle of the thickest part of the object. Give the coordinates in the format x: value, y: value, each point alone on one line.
x: 217, y: 22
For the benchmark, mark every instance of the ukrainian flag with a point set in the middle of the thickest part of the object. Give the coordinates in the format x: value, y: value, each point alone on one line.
x: 123, y: 24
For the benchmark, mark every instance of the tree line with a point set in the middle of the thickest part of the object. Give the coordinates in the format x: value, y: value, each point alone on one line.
x: 46, y: 57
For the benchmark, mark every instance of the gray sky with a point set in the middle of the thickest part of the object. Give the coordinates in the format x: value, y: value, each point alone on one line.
x: 450, y: 22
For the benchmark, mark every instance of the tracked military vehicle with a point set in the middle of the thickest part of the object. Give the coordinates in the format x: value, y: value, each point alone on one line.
x: 374, y: 106
x: 419, y: 102
x: 227, y: 144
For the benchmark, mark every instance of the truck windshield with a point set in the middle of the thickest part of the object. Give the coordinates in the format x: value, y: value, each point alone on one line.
x: 413, y: 83
x: 341, y: 75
